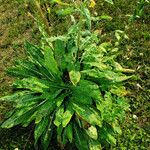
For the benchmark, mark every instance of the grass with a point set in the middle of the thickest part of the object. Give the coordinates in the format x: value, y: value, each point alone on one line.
x: 16, y: 27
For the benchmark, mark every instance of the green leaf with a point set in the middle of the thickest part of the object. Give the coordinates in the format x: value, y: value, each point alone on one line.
x: 74, y: 28
x: 45, y: 109
x: 117, y: 36
x: 18, y: 117
x: 67, y: 115
x: 92, y: 132
x: 106, y: 133
x: 60, y: 99
x: 118, y: 90
x: 69, y: 132
x: 55, y: 38
x: 15, y: 97
x: 66, y: 11
x: 47, y: 135
x: 59, y: 133
x: 88, y: 114
x: 106, y: 17
x: 28, y: 100
x: 110, y: 1
x: 111, y: 76
x: 87, y: 16
x: 85, y: 95
x: 58, y: 116
x: 60, y: 2
x: 81, y: 141
x: 119, y: 68
x: 33, y: 84
x: 24, y: 69
x: 102, y: 17
x: 40, y: 128
x: 28, y: 66
x: 116, y: 128
x: 59, y: 51
x: 35, y: 54
x: 50, y: 61
x: 111, y: 138
x: 94, y: 145
x: 59, y: 48
x: 74, y: 77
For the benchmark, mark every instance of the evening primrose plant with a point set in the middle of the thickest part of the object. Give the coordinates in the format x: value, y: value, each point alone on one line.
x: 70, y: 86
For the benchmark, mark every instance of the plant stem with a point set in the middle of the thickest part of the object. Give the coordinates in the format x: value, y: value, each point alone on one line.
x: 40, y: 12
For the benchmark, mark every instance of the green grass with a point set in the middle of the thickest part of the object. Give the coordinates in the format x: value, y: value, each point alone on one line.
x: 135, y: 54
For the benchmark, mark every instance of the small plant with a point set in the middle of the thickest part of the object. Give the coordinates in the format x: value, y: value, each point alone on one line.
x: 139, y: 11
x: 70, y: 86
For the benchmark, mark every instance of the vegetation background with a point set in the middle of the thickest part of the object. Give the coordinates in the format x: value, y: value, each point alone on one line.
x: 16, y: 27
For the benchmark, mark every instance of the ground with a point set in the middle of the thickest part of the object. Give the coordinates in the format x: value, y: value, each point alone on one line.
x: 16, y: 27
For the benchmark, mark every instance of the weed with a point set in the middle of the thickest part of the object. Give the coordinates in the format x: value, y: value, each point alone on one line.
x: 71, y: 86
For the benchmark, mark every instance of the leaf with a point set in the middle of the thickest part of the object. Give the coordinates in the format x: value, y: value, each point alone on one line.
x: 59, y: 51
x: 119, y: 68
x: 33, y: 84
x: 46, y: 136
x: 28, y: 67
x: 92, y: 132
x: 94, y: 145
x: 14, y: 97
x: 102, y: 17
x: 18, y: 117
x: 106, y: 17
x: 35, y: 54
x: 88, y: 114
x: 87, y: 16
x: 50, y: 61
x: 111, y: 138
x: 55, y: 38
x: 108, y: 75
x: 110, y: 1
x: 58, y: 116
x: 28, y: 100
x: 45, y: 109
x: 85, y: 95
x: 119, y: 90
x: 80, y: 139
x: 74, y: 28
x: 59, y: 48
x: 117, y: 36
x: 40, y: 128
x: 60, y: 99
x: 64, y: 138
x: 59, y: 133
x: 116, y: 128
x: 66, y: 11
x: 74, y: 77
x: 106, y: 133
x: 67, y: 115
x: 24, y: 69
x: 69, y: 132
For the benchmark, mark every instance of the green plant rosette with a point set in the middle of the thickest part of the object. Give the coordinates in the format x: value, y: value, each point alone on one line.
x: 70, y: 86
